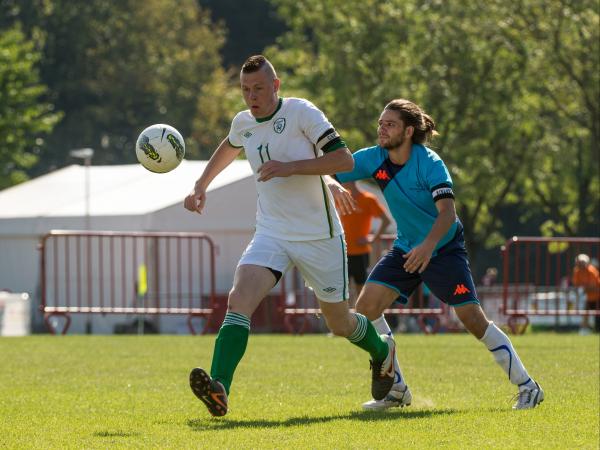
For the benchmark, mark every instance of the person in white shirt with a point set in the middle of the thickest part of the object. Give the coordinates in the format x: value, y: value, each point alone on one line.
x: 290, y: 146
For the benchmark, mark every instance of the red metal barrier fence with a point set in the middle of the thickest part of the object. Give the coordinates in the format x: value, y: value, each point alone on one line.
x: 106, y: 272
x: 538, y: 279
x: 100, y: 273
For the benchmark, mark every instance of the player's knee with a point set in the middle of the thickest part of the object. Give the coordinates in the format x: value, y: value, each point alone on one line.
x: 237, y: 301
x: 371, y: 310
x: 474, y: 320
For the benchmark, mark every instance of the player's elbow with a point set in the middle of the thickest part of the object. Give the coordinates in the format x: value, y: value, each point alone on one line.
x: 450, y: 213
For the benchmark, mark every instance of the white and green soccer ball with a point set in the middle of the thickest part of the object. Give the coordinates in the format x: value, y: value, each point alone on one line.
x: 160, y: 148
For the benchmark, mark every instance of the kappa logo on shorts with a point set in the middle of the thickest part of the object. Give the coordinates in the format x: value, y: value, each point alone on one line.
x: 461, y: 289
x: 329, y: 290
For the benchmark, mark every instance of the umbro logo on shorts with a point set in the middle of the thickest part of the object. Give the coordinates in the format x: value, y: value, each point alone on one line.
x: 329, y: 289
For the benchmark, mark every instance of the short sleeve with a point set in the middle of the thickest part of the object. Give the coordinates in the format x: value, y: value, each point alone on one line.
x: 312, y: 121
x: 437, y: 174
x: 438, y: 178
x: 234, y: 137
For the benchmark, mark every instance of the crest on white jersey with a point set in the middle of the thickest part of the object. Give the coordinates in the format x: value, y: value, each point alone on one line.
x: 279, y: 125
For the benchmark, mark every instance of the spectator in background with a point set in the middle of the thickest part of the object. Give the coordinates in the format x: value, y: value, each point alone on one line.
x: 586, y: 276
x: 357, y: 226
x: 490, y: 277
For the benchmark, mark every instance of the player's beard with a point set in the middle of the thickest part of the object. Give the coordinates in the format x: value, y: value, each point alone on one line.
x: 394, y: 143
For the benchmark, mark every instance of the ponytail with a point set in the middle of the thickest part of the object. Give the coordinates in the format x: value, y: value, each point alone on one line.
x: 413, y: 116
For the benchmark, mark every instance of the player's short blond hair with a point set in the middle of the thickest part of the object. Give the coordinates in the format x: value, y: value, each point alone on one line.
x: 259, y: 62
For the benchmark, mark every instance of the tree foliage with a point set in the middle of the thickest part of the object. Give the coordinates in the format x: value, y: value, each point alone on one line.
x: 477, y: 68
x: 219, y: 100
x: 251, y: 26
x: 564, y: 78
x: 24, y: 117
x: 513, y: 86
x: 117, y: 67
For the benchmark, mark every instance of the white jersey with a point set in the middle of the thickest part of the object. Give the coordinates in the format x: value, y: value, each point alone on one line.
x: 299, y: 207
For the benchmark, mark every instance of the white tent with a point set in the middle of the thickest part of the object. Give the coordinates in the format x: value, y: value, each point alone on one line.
x: 123, y: 198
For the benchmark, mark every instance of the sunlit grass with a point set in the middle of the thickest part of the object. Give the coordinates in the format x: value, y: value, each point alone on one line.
x: 291, y: 392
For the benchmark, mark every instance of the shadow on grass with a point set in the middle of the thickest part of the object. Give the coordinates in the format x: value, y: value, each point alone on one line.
x: 210, y: 424
x: 110, y: 434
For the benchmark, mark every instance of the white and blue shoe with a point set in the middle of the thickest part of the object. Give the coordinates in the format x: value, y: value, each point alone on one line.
x: 395, y: 398
x: 529, y: 397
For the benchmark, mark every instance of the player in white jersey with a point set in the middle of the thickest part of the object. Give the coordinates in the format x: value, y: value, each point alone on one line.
x: 290, y: 146
x: 287, y: 135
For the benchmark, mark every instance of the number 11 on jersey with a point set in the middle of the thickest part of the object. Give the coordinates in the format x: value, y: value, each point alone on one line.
x: 260, y: 152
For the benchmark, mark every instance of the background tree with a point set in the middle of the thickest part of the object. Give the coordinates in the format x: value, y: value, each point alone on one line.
x: 475, y: 67
x: 564, y: 77
x: 24, y: 117
x: 220, y: 98
x: 513, y: 86
x: 117, y: 67
x: 250, y: 25
x: 460, y: 60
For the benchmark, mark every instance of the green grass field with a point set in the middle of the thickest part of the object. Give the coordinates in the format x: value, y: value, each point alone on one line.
x: 291, y: 392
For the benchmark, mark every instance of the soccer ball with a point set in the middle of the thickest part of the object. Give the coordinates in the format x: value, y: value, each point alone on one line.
x: 160, y: 148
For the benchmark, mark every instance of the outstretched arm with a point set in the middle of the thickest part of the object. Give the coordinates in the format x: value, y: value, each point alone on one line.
x: 344, y: 202
x: 339, y: 160
x: 221, y: 158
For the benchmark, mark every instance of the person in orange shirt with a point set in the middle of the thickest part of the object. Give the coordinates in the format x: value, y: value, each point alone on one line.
x: 357, y: 227
x: 586, y: 276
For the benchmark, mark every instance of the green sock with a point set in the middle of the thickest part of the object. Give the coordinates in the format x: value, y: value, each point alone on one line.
x: 366, y: 337
x: 230, y: 347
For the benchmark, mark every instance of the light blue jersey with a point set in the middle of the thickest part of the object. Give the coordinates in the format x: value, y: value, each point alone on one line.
x: 410, y: 190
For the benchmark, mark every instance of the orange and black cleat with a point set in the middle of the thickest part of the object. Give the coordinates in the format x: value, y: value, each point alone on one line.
x: 211, y: 392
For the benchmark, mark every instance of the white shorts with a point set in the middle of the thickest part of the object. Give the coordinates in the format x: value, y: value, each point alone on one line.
x: 322, y: 263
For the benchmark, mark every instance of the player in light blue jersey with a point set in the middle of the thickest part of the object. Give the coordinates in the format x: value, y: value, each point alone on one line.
x: 430, y: 245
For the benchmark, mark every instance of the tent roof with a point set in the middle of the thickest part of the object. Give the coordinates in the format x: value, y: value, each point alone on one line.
x: 114, y: 190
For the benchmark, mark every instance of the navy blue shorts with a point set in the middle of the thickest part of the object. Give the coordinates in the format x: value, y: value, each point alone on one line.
x: 448, y: 274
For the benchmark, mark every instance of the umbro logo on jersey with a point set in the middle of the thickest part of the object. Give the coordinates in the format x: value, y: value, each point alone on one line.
x: 247, y: 134
x: 461, y: 289
x: 329, y: 289
x: 279, y: 125
x: 382, y: 175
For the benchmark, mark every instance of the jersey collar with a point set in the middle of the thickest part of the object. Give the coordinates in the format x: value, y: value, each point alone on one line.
x: 266, y: 119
